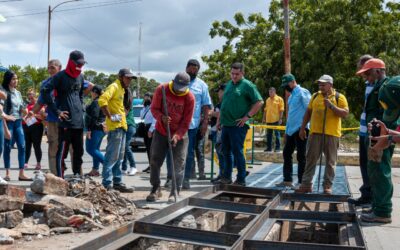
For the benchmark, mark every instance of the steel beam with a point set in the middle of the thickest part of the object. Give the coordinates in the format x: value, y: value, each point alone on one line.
x: 226, y: 206
x: 194, y: 236
x: 277, y: 245
x: 312, y: 216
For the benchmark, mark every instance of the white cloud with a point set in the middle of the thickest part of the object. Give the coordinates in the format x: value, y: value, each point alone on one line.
x: 172, y: 32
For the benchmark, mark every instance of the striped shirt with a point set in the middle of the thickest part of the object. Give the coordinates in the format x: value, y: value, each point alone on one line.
x: 363, y: 122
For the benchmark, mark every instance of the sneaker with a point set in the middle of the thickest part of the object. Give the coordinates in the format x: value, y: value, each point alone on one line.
x: 360, y: 201
x: 367, y: 210
x: 303, y: 189
x: 123, y: 188
x: 168, y: 183
x: 239, y: 183
x: 185, y: 184
x: 372, y: 218
x: 132, y: 171
x: 2, y: 181
x: 223, y: 181
x: 146, y: 170
x: 285, y: 184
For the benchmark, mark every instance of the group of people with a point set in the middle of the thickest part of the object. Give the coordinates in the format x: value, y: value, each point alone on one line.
x: 182, y: 109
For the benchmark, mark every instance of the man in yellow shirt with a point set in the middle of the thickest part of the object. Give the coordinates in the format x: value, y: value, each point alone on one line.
x: 325, y: 112
x: 113, y: 102
x: 273, y: 112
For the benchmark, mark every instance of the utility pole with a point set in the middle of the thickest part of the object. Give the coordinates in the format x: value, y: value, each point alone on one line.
x: 49, y: 26
x: 139, y: 60
x: 287, y: 36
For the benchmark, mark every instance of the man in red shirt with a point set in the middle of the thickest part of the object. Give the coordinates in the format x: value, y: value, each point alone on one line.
x: 180, y: 105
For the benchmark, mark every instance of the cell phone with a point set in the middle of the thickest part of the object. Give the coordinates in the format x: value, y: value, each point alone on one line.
x: 376, y: 130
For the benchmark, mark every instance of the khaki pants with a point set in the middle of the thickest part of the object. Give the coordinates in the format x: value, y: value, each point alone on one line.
x: 52, y: 138
x: 314, y: 151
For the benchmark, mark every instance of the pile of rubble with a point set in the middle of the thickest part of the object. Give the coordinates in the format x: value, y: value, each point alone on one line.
x: 55, y: 206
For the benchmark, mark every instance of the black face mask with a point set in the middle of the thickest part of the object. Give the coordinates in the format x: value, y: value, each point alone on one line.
x: 192, y: 76
x: 289, y: 89
x: 147, y: 103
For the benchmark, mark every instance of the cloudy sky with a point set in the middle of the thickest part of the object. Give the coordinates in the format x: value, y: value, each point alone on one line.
x: 172, y: 32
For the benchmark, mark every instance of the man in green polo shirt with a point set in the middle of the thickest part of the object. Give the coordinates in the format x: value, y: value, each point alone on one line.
x: 240, y: 102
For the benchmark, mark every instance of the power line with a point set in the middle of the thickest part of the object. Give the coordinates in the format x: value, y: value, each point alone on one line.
x: 79, y: 7
x: 93, y: 41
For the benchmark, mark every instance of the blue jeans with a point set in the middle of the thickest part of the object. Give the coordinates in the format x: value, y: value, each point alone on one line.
x: 114, y: 157
x: 128, y: 152
x: 17, y: 134
x: 190, y: 152
x: 93, y: 147
x: 232, y: 148
x: 277, y: 137
x: 1, y: 136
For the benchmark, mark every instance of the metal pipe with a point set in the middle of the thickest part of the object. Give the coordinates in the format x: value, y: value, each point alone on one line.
x: 287, y: 36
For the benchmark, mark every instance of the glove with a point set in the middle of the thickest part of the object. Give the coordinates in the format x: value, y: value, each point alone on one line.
x: 116, y: 118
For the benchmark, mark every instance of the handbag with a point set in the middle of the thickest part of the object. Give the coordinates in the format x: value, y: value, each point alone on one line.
x: 141, y: 130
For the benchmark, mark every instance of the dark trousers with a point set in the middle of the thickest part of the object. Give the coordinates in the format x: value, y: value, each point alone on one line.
x: 33, y: 136
x: 232, y: 148
x: 159, y: 149
x: 147, y: 140
x: 293, y: 142
x: 73, y: 137
x: 277, y: 137
x: 365, y: 188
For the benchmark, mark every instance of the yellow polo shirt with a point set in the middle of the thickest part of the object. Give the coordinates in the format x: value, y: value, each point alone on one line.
x: 113, y: 97
x: 273, y: 108
x: 333, y: 123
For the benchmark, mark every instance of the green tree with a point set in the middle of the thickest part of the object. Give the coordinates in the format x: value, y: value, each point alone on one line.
x: 327, y: 37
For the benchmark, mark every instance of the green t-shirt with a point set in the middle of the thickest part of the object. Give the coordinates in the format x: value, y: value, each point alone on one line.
x: 130, y: 119
x: 237, y: 101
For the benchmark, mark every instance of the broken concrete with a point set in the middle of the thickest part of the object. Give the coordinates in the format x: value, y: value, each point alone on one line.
x: 57, y: 216
x: 49, y: 184
x: 6, y: 240
x: 28, y: 227
x: 11, y: 219
x: 10, y: 233
x: 62, y: 230
x: 11, y: 198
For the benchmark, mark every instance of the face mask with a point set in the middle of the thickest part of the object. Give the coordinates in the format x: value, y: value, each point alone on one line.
x: 147, y: 103
x: 289, y: 89
x: 192, y: 76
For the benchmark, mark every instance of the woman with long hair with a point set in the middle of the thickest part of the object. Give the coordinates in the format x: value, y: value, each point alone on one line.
x: 94, y: 121
x: 13, y: 113
x: 33, y: 131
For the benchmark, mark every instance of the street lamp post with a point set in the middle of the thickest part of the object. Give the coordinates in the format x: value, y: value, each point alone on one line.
x: 49, y: 25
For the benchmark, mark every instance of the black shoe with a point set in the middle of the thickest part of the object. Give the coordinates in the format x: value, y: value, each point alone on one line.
x: 239, y: 183
x: 202, y: 177
x: 268, y: 150
x: 123, y: 188
x: 147, y: 170
x: 359, y: 202
x: 223, y: 181
x: 216, y: 179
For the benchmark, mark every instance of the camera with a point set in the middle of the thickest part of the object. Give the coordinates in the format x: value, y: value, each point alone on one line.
x: 376, y: 130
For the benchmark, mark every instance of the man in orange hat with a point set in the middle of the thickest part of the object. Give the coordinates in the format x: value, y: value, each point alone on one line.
x: 379, y: 164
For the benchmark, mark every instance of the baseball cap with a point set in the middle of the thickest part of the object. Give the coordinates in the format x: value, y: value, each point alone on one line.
x: 127, y: 73
x: 77, y: 57
x: 193, y: 62
x: 373, y: 63
x: 326, y: 79
x: 286, y: 79
x: 389, y: 99
x: 220, y: 87
x: 181, y: 81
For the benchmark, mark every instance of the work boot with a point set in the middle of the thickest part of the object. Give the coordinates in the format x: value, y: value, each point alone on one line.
x: 327, y: 190
x: 304, y: 188
x: 185, y: 184
x: 123, y: 188
x: 362, y: 201
x: 202, y: 177
x: 285, y: 184
x: 372, y: 218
